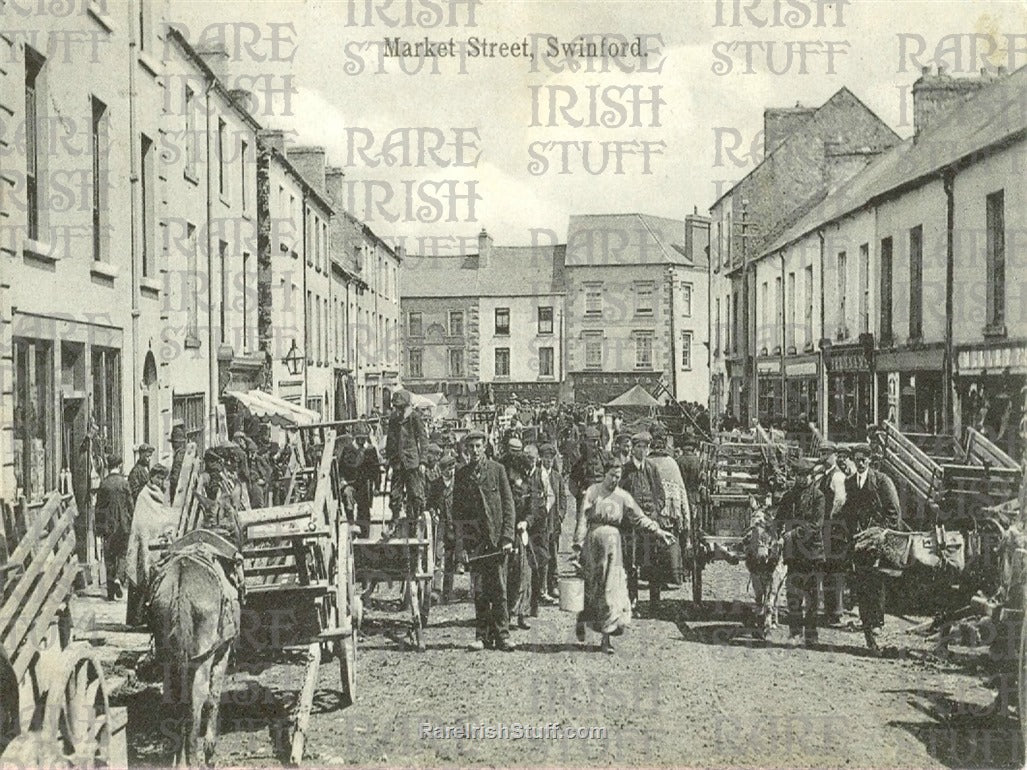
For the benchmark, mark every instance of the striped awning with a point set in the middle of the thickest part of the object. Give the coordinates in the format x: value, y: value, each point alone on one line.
x: 278, y: 410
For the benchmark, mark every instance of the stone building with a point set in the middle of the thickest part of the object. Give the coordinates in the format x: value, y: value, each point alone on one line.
x: 635, y: 305
x: 807, y: 153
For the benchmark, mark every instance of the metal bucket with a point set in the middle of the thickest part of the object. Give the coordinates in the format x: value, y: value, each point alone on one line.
x: 572, y: 594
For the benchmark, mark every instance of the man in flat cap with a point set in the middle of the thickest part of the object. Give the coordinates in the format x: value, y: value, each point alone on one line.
x: 621, y: 448
x: 548, y: 507
x: 832, y: 485
x: 588, y: 469
x: 440, y: 502
x: 363, y: 469
x: 139, y: 476
x: 641, y: 480
x: 114, y: 506
x: 406, y: 450
x: 801, y: 517
x: 870, y: 501
x: 483, y: 509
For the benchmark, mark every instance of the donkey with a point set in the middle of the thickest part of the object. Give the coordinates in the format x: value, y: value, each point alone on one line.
x: 195, y: 618
x: 764, y: 548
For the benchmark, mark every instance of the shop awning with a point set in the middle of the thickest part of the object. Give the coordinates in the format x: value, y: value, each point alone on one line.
x: 278, y: 410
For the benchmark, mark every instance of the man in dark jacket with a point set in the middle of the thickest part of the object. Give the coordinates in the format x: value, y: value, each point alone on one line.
x: 440, y: 501
x: 139, y: 476
x: 114, y: 508
x: 548, y: 505
x: 642, y: 481
x: 362, y: 468
x: 870, y: 501
x: 178, y: 442
x: 406, y: 448
x: 588, y: 469
x: 483, y: 509
x: 801, y: 516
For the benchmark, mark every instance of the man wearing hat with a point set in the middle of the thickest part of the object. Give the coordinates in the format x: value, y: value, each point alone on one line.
x: 641, y: 480
x: 832, y: 485
x: 406, y: 448
x: 139, y: 476
x: 801, y: 516
x: 178, y: 442
x: 440, y: 501
x: 151, y: 520
x: 114, y: 522
x: 588, y: 470
x: 362, y: 468
x: 621, y: 448
x: 548, y: 507
x: 870, y: 501
x: 483, y: 509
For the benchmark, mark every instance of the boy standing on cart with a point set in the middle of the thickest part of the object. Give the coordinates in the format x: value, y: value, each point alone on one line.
x: 406, y: 449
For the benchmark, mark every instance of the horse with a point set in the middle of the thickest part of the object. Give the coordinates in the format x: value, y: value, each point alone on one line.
x: 764, y: 548
x: 195, y: 613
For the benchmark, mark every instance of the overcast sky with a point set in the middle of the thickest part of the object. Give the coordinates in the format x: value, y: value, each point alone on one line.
x: 495, y: 97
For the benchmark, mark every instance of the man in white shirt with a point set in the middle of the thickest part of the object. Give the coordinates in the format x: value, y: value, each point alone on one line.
x: 835, y: 541
x: 548, y: 507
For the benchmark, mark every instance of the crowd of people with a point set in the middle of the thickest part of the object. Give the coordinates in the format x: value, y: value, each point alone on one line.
x: 500, y: 498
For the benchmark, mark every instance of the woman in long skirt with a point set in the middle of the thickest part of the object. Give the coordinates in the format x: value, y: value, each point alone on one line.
x: 605, y: 508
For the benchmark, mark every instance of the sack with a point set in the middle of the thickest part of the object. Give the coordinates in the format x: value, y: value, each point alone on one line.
x: 939, y: 547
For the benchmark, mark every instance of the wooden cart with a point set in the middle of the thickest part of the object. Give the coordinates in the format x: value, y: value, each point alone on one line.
x: 298, y: 567
x: 731, y: 472
x: 53, y: 697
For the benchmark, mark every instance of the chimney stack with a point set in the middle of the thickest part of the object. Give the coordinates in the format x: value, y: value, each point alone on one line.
x: 484, y: 249
x: 934, y: 96
x: 780, y: 122
x: 274, y: 138
x: 244, y: 98
x: 215, y: 56
x: 310, y: 162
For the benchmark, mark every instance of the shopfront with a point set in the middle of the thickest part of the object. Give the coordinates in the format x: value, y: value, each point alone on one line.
x: 68, y: 404
x: 801, y: 401
x: 850, y: 391
x: 911, y: 388
x: 769, y: 392
x: 989, y: 388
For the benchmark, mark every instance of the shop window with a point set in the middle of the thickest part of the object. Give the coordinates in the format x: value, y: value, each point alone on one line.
x: 34, y: 447
x: 191, y: 410
x: 770, y: 399
x: 107, y: 396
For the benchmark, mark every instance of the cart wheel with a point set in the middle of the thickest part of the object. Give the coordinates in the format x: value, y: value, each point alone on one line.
x: 10, y: 724
x: 77, y: 713
x: 346, y: 607
x: 1021, y: 689
x: 425, y: 588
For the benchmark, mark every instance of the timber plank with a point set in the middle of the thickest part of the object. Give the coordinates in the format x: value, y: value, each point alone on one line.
x: 21, y: 657
x: 28, y: 610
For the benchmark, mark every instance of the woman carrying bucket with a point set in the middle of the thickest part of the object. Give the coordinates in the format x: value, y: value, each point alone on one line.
x: 605, y: 508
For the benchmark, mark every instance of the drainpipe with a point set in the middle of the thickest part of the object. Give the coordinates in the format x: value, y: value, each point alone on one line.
x: 212, y: 347
x: 134, y: 148
x: 673, y: 337
x: 822, y: 389
x: 950, y: 259
x: 784, y: 339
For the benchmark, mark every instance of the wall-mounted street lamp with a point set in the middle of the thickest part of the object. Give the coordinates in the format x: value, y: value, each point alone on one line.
x: 294, y: 360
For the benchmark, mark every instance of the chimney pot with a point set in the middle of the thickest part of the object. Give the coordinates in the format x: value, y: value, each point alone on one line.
x: 941, y: 70
x: 925, y: 71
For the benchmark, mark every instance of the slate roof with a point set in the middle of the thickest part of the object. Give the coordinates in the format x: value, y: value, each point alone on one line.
x: 995, y: 114
x: 627, y: 239
x: 511, y: 271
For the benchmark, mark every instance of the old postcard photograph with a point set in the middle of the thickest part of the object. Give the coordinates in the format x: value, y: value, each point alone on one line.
x: 508, y: 383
